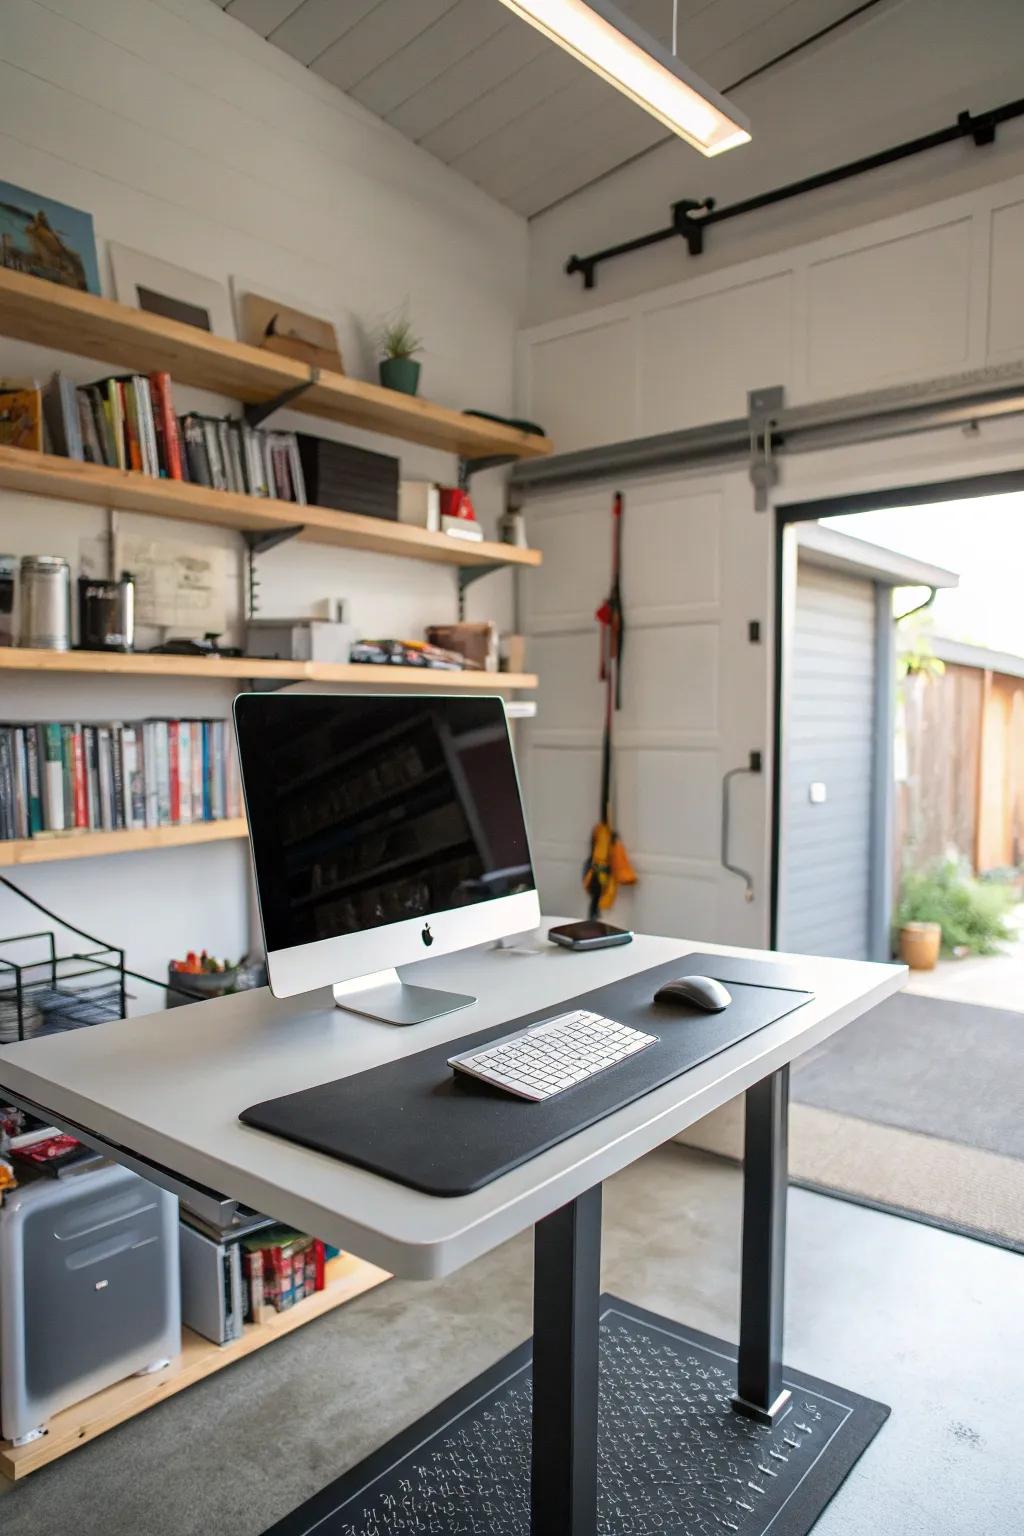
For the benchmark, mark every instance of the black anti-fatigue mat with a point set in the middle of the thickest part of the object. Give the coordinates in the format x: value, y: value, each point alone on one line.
x: 417, y: 1122
x: 674, y: 1458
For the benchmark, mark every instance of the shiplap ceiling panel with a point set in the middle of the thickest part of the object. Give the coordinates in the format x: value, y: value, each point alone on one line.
x: 511, y: 105
x: 459, y: 32
x: 491, y: 97
x: 384, y: 31
x: 464, y: 87
x: 315, y: 24
x: 262, y: 15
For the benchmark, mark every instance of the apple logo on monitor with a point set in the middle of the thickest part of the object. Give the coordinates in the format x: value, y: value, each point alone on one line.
x: 426, y: 935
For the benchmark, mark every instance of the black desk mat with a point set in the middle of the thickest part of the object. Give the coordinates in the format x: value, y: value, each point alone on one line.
x: 417, y: 1122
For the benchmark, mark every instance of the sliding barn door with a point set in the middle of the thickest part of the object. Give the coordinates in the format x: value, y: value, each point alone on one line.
x: 697, y: 691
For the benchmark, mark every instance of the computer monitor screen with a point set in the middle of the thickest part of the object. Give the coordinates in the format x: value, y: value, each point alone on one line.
x: 381, y: 828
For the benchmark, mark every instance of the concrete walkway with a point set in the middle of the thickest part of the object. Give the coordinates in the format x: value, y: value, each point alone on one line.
x: 993, y: 981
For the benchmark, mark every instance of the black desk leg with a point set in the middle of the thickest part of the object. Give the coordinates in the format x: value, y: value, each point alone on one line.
x: 566, y: 1292
x: 759, y: 1390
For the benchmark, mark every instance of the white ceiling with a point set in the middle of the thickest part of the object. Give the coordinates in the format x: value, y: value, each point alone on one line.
x: 492, y: 98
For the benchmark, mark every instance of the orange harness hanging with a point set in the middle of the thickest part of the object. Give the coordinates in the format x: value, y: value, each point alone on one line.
x: 609, y: 865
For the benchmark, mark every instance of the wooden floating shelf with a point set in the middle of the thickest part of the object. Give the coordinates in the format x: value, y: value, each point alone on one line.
x: 45, y: 313
x: 54, y: 846
x: 347, y: 1277
x: 221, y: 668
x: 45, y: 474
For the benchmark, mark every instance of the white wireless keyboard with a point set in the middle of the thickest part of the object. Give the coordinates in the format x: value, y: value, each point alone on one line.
x: 547, y: 1058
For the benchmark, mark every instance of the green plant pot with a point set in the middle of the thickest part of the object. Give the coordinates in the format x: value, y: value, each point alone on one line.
x: 401, y: 373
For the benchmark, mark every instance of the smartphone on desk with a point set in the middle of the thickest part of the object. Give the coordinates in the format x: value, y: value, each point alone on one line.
x: 590, y: 934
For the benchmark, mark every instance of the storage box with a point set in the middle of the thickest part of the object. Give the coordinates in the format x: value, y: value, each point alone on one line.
x: 349, y: 479
x: 478, y: 643
x: 298, y: 640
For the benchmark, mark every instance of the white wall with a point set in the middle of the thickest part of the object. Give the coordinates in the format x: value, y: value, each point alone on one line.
x: 903, y: 69
x: 189, y: 137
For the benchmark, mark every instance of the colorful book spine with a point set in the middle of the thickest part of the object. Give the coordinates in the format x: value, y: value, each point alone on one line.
x: 78, y: 779
x: 53, y: 779
x: 173, y: 773
x: 35, y: 782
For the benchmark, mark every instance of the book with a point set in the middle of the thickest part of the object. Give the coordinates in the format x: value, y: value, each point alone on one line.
x: 115, y: 414
x: 185, y: 771
x: 90, y: 741
x: 166, y: 424
x: 149, y: 756
x: 118, y: 808
x: 106, y: 778
x: 21, y: 419
x: 173, y: 773
x: 60, y: 414
x: 6, y: 783
x: 67, y: 764
x: 35, y: 788
x: 53, y: 779
x: 92, y: 443
x: 78, y: 778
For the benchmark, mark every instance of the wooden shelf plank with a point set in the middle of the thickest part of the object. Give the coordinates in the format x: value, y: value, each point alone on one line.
x: 54, y: 846
x: 45, y: 474
x: 37, y: 311
x: 221, y: 668
x: 347, y: 1277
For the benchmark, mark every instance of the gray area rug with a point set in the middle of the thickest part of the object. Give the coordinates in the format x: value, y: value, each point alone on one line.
x: 951, y: 1070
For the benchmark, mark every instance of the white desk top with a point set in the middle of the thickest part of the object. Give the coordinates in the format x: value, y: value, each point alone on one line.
x: 169, y: 1088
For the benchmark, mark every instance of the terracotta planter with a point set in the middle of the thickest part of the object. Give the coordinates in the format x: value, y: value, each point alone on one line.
x: 920, y: 944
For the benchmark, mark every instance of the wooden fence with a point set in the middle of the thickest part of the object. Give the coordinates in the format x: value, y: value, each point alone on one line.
x: 964, y: 763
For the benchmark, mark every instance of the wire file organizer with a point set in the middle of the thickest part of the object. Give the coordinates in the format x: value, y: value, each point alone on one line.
x: 45, y: 991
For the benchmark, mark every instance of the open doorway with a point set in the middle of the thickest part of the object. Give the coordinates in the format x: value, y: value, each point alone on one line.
x: 900, y: 800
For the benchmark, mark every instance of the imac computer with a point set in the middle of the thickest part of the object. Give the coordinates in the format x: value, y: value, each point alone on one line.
x: 383, y: 829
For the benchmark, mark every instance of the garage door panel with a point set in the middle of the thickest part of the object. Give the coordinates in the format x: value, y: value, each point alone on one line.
x: 662, y: 798
x: 670, y: 678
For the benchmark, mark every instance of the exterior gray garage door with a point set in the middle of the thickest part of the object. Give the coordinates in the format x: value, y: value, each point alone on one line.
x: 825, y: 890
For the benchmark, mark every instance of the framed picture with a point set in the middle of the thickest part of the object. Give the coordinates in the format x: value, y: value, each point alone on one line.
x: 161, y: 288
x: 47, y: 239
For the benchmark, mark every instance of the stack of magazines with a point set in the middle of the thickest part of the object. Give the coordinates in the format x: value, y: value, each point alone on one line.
x: 129, y: 422
x: 57, y: 777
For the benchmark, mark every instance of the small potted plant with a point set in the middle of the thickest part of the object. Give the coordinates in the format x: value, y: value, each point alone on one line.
x: 399, y: 365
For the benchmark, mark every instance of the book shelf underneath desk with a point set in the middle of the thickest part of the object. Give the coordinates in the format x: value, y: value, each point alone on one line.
x: 347, y: 1277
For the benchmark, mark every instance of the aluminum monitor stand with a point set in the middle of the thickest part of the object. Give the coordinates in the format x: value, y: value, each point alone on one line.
x: 385, y: 996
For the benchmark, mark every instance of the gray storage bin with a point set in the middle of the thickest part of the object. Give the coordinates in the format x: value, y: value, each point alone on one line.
x: 89, y: 1290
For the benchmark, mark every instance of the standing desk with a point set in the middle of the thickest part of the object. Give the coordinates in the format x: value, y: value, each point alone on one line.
x: 162, y: 1095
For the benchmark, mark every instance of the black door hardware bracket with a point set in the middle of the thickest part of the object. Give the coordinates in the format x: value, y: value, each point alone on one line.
x: 691, y: 217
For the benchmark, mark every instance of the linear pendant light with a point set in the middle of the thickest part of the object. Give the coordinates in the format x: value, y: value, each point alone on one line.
x: 614, y: 47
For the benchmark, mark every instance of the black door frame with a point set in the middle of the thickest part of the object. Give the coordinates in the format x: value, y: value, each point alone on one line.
x: 785, y: 515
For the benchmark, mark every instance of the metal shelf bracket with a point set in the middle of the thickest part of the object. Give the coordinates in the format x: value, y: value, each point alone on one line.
x: 467, y: 574
x: 258, y: 412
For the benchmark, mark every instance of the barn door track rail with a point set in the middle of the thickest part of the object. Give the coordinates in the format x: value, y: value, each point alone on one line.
x: 691, y: 217
x: 772, y: 427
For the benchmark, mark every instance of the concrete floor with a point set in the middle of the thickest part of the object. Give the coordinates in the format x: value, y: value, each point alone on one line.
x: 926, y: 1321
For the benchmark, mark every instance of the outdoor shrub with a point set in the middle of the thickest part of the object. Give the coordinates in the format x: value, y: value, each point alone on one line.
x: 971, y: 913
